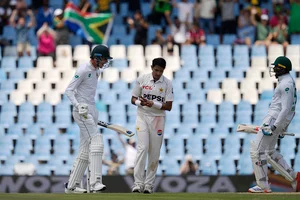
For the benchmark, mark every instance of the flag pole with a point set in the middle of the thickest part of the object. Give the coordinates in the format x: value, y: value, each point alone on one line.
x: 108, y: 30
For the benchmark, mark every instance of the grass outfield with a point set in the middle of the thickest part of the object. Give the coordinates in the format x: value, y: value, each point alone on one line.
x: 131, y: 196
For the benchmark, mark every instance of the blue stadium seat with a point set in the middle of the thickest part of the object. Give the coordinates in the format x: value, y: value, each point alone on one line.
x: 203, y: 131
x: 121, y: 86
x: 6, y: 119
x: 213, y: 39
x: 7, y: 170
x: 171, y: 166
x: 73, y: 131
x: 6, y: 145
x: 193, y: 85
x: 10, y: 108
x: 118, y: 119
x: 207, y: 63
x: 227, y: 166
x: 229, y: 39
x: 208, y: 166
x: 295, y: 39
x: 75, y: 40
x: 63, y: 107
x: 188, y: 50
x: 213, y: 146
x: 237, y: 74
x: 51, y: 131
x: 206, y: 50
x: 200, y: 75
x: 243, y: 117
x: 189, y: 62
x: 43, y: 169
x: 15, y: 131
x: 258, y: 50
x: 245, y: 165
x: 175, y: 148
x: 232, y: 146
x: 224, y: 64
x: 224, y: 51
x: 27, y: 108
x: 241, y: 63
x: 44, y: 119
x: 218, y: 75
x: 183, y: 75
x: 240, y: 51
x: 226, y: 108
x: 195, y: 146
x: 63, y: 120
x: 266, y: 95
x: 190, y: 109
x: 63, y: 170
x: 16, y: 75
x: 25, y: 63
x: 120, y: 63
x: 109, y: 97
x: 10, y: 51
x: 221, y: 130
x: 212, y: 83
x: 44, y: 107
x: 191, y: 120
x: 102, y: 86
x: 226, y: 120
x: 197, y: 97
x: 10, y: 33
x: 208, y: 120
x: 8, y: 64
x: 180, y: 96
x: 3, y: 76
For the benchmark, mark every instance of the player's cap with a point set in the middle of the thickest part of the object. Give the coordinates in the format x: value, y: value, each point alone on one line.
x: 283, y: 62
x: 58, y: 12
x: 101, y: 51
x: 264, y: 17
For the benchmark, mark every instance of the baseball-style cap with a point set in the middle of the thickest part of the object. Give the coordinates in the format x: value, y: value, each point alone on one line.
x: 264, y: 17
x: 58, y: 12
x: 283, y: 62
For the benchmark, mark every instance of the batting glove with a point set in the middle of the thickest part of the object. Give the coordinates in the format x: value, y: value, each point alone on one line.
x: 83, y: 109
x: 267, y: 129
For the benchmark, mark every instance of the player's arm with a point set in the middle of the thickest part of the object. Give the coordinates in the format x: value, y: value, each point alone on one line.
x: 75, y: 82
x: 136, y: 92
x: 287, y: 100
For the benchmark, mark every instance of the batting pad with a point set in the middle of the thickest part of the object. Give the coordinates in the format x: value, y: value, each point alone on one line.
x: 260, y: 167
x: 79, y: 167
x: 277, y: 161
x: 96, y: 152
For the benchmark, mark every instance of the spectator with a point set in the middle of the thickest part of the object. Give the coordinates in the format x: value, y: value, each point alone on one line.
x: 46, y: 41
x: 159, y: 38
x: 228, y: 17
x: 22, y: 29
x: 185, y: 11
x: 294, y: 25
x: 178, y: 31
x: 45, y: 14
x: 114, y: 164
x: 133, y: 6
x: 170, y: 45
x: 275, y: 18
x: 62, y: 31
x: 245, y: 30
x: 188, y: 167
x: 263, y: 31
x: 196, y: 35
x: 5, y: 13
x: 141, y: 27
x: 130, y: 154
x: 207, y: 15
x: 161, y: 9
x: 102, y: 6
x: 85, y: 6
x: 280, y: 33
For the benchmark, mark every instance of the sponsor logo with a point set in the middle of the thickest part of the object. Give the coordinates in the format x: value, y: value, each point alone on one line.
x: 146, y: 87
x: 152, y: 97
x: 159, y: 132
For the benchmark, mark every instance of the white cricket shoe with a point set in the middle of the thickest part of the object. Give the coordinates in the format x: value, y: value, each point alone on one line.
x: 137, y: 188
x: 296, y: 183
x: 148, y: 189
x: 75, y: 190
x: 98, y: 187
x: 257, y: 189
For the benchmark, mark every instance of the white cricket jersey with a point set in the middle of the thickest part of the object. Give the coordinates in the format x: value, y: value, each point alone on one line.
x: 284, y: 100
x: 82, y: 88
x: 160, y: 90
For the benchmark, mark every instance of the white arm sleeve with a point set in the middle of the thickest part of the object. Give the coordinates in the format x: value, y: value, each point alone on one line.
x: 70, y: 91
x: 137, y: 90
x: 287, y: 98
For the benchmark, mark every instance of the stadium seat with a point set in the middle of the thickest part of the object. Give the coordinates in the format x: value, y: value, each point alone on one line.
x: 293, y: 51
x: 118, y: 51
x: 153, y: 51
x: 45, y: 63
x: 134, y: 51
x: 215, y: 96
x: 81, y: 52
x: 10, y: 51
x: 111, y: 75
x: 53, y: 97
x: 229, y: 39
x: 8, y: 64
x: 17, y: 97
x: 63, y: 51
x: 208, y: 166
x: 227, y: 166
x: 75, y: 40
x: 213, y: 39
x: 258, y: 51
x: 25, y: 63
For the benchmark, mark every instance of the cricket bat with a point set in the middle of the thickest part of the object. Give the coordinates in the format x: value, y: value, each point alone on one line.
x: 116, y: 128
x: 254, y: 129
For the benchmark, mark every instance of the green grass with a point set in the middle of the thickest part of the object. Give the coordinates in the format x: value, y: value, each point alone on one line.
x: 155, y: 196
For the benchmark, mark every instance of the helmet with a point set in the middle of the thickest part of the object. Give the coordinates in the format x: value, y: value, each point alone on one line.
x: 101, y: 51
x: 282, y: 65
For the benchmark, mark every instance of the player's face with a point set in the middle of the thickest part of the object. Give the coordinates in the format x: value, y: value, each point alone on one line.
x: 157, y: 71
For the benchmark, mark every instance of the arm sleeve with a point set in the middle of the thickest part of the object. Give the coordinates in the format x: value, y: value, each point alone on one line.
x: 169, y: 92
x: 137, y: 90
x: 287, y: 99
x: 70, y: 91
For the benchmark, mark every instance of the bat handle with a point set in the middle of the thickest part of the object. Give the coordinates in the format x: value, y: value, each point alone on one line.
x: 289, y: 134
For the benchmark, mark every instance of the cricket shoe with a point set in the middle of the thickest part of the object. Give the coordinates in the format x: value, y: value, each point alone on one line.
x: 148, y: 189
x: 296, y: 183
x: 75, y: 190
x: 98, y: 187
x: 257, y: 189
x: 137, y: 188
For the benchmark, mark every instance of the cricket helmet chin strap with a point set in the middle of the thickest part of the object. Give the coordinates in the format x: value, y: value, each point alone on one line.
x: 282, y: 65
x: 99, y: 53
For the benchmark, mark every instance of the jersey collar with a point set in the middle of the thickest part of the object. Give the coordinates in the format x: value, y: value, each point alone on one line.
x: 283, y: 76
x: 91, y: 66
x: 159, y: 80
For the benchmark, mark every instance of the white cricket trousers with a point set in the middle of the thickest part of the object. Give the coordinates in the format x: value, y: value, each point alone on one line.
x: 150, y: 131
x: 88, y: 129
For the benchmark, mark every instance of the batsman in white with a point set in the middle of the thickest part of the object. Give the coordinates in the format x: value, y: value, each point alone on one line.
x: 279, y: 116
x: 152, y: 94
x: 81, y: 92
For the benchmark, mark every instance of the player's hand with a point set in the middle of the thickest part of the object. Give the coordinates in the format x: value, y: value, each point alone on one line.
x: 83, y: 109
x: 281, y: 136
x: 267, y: 129
x: 146, y: 102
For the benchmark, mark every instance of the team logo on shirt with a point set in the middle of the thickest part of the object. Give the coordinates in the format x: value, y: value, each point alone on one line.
x: 76, y: 76
x: 137, y: 128
x: 161, y: 90
x: 89, y: 75
x: 159, y: 132
x: 287, y: 90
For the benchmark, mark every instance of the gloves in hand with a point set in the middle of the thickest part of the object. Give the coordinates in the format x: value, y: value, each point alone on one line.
x: 83, y: 109
x: 267, y: 129
x: 281, y: 136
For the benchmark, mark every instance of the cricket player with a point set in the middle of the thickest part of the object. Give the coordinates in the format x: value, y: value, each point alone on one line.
x: 152, y: 94
x: 81, y: 92
x: 280, y: 114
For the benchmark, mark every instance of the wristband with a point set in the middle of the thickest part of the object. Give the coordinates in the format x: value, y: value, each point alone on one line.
x: 137, y: 103
x: 157, y: 105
